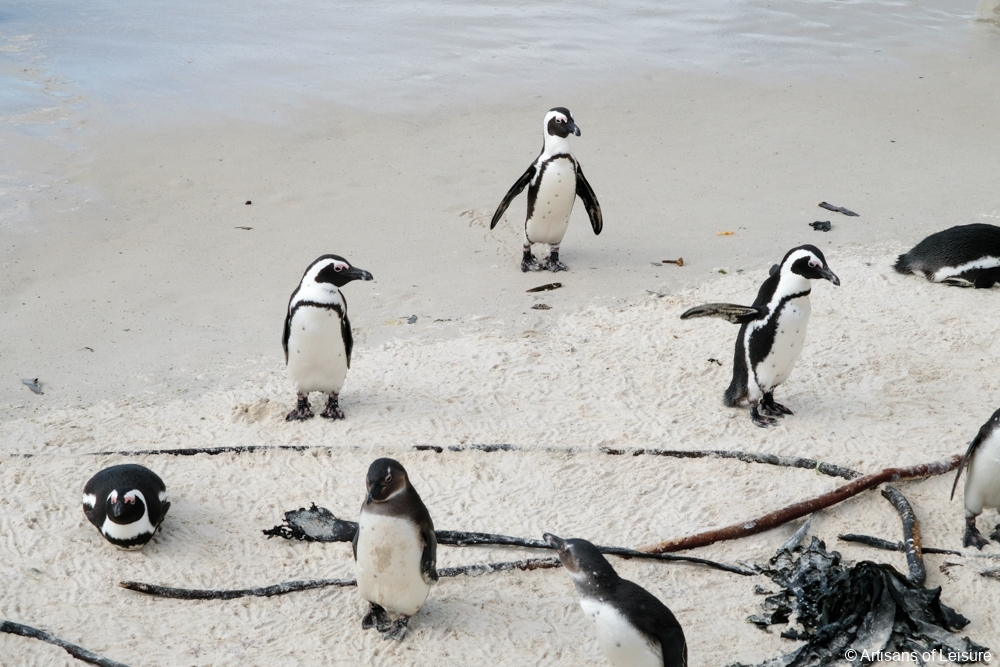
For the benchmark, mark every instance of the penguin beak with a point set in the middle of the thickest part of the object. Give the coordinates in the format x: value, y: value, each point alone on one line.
x: 359, y: 274
x: 830, y: 275
x: 573, y: 128
x: 116, y: 510
x: 554, y: 541
x: 372, y: 492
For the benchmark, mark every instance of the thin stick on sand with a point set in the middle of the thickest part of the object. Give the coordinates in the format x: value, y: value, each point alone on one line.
x: 800, y: 509
x: 888, y: 545
x: 283, y: 588
x: 77, y: 652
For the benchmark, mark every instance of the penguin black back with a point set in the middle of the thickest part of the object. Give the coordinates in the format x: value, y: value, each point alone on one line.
x: 127, y: 503
x: 963, y: 256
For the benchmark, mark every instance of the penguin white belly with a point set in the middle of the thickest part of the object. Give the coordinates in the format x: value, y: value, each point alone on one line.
x: 948, y: 272
x: 789, y: 337
x: 623, y: 645
x: 982, y: 479
x: 388, y: 565
x: 553, y: 203
x: 317, y: 359
x: 128, y: 531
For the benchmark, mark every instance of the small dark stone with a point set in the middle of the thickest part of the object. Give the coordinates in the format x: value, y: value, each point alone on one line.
x: 541, y: 306
x: 248, y: 202
x: 412, y: 319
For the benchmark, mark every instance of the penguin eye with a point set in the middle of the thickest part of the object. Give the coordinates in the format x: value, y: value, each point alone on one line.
x: 114, y: 496
x: 813, y: 263
x: 388, y: 478
x: 560, y: 120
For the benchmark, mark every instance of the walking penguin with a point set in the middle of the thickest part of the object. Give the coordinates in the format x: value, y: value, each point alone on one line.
x: 772, y: 332
x: 554, y: 181
x: 127, y: 503
x: 395, y: 550
x: 317, y: 337
x: 982, y: 480
x: 634, y: 629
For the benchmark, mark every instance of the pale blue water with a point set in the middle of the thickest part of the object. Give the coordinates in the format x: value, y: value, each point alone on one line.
x: 186, y: 56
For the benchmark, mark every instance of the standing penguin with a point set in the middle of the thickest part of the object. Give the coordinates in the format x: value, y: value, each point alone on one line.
x: 317, y: 337
x: 127, y: 503
x: 634, y: 629
x: 554, y: 181
x: 395, y: 550
x: 982, y: 481
x: 963, y: 256
x: 773, y: 331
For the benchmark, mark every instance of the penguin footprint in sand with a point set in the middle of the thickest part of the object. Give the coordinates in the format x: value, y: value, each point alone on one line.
x: 554, y: 181
x: 773, y: 331
x: 395, y: 550
x: 127, y: 503
x: 634, y: 629
x: 317, y: 337
x: 982, y: 480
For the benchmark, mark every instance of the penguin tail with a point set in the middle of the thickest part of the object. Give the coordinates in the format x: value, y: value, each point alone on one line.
x: 734, y: 394
x: 726, y: 311
x: 902, y: 264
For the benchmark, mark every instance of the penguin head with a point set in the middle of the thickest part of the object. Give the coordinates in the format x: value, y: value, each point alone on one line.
x: 125, y: 505
x: 808, y: 261
x: 335, y: 270
x: 559, y: 123
x: 386, y: 478
x: 585, y: 564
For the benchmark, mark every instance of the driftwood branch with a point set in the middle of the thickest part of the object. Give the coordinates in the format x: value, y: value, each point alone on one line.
x: 318, y: 524
x: 747, y: 457
x: 887, y: 545
x: 285, y: 587
x: 800, y: 509
x: 77, y: 652
x: 911, y: 534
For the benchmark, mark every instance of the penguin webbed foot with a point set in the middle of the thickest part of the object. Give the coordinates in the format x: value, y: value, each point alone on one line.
x: 332, y: 410
x: 759, y: 420
x: 973, y: 538
x: 376, y: 618
x: 302, y: 410
x: 774, y: 409
x: 553, y: 264
x: 995, y: 535
x: 529, y: 263
x: 398, y: 629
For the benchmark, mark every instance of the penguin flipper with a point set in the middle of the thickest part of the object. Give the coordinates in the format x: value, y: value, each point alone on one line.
x: 973, y: 446
x: 354, y: 542
x: 657, y: 623
x: 428, y: 560
x: 345, y: 332
x: 727, y: 311
x: 586, y: 194
x: 514, y: 191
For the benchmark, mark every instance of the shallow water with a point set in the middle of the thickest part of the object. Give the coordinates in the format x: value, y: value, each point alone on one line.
x: 252, y: 58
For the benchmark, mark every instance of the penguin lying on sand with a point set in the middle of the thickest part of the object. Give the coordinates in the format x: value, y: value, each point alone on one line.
x: 634, y: 629
x: 982, y: 481
x: 317, y: 337
x: 554, y: 181
x: 963, y: 256
x: 127, y: 503
x: 395, y: 550
x: 772, y: 332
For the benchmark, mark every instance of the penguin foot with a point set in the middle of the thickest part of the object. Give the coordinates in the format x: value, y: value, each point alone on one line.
x: 553, y: 264
x: 995, y: 535
x: 376, y: 618
x: 763, y: 422
x: 973, y: 538
x: 398, y: 629
x: 332, y: 410
x: 529, y: 263
x: 775, y: 409
x: 301, y: 411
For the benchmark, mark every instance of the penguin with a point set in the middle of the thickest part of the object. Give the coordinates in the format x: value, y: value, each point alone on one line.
x: 554, y: 181
x: 127, y: 503
x: 317, y: 337
x: 982, y: 481
x: 634, y: 629
x: 772, y: 332
x: 395, y: 550
x: 963, y: 256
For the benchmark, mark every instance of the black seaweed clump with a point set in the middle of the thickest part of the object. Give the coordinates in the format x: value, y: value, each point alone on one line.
x: 316, y: 524
x: 868, y: 607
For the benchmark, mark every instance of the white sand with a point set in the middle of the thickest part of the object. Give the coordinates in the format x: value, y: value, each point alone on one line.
x: 136, y: 257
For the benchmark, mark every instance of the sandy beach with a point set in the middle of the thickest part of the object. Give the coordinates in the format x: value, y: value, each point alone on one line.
x: 148, y: 298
